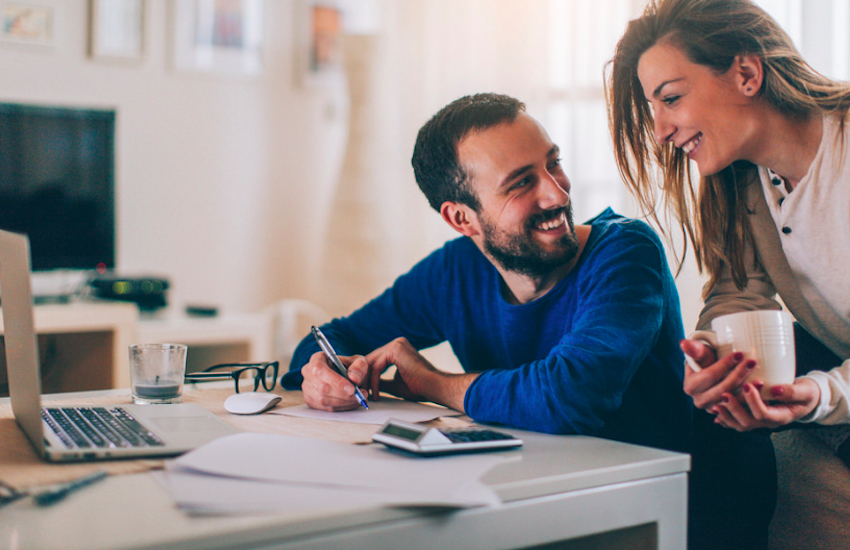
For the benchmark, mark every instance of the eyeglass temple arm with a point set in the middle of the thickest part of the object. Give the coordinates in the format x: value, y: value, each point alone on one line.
x: 202, y: 375
x: 244, y: 364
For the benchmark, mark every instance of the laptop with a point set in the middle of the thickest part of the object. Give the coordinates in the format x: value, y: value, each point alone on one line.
x: 62, y: 433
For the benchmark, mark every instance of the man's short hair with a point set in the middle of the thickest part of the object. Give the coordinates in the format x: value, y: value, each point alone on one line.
x: 435, y: 161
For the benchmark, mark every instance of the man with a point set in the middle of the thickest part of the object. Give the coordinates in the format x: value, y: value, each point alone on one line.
x: 560, y: 328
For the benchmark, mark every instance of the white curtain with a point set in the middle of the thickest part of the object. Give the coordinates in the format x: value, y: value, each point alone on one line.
x: 424, y: 54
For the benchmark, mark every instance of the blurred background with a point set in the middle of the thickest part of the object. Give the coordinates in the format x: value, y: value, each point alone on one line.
x: 282, y: 171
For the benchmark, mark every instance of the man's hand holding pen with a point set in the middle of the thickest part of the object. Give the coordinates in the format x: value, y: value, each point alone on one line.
x: 336, y: 364
x: 325, y: 389
x: 415, y: 379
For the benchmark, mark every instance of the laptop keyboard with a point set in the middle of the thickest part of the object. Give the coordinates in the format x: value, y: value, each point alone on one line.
x: 88, y: 427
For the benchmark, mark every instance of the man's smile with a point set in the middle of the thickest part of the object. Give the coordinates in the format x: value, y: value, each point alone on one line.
x: 553, y: 222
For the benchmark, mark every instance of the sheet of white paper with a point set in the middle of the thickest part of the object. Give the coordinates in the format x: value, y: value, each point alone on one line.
x: 378, y: 413
x: 363, y: 468
x: 199, y: 493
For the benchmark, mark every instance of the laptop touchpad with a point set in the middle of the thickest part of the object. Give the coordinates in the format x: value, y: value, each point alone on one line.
x: 186, y: 423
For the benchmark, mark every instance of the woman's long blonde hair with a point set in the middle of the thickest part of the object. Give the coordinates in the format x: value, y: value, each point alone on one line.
x: 711, y: 33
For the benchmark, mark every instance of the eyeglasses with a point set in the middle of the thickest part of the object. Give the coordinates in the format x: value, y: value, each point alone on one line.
x: 265, y: 373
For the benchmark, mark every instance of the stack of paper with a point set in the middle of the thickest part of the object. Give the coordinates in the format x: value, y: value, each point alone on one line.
x: 378, y: 412
x: 249, y: 472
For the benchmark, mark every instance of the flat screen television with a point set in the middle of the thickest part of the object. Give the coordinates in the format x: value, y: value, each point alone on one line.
x: 57, y: 184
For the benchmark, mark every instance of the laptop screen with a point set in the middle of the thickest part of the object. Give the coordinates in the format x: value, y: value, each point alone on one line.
x: 19, y: 333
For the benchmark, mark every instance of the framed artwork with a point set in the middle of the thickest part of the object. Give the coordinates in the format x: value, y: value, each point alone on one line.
x: 218, y: 36
x: 320, y: 32
x: 116, y: 30
x: 28, y: 22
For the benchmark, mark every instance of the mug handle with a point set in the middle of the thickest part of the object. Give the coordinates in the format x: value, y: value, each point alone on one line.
x: 705, y: 336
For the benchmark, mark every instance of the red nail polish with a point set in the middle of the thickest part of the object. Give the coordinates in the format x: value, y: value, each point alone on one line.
x: 746, y: 388
x: 750, y: 364
x: 777, y: 391
x: 724, y: 398
x: 738, y: 356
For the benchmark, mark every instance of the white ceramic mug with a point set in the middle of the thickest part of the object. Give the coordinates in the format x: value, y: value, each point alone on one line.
x: 765, y: 336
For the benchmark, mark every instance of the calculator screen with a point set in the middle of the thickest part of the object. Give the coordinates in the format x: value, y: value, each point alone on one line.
x: 392, y: 429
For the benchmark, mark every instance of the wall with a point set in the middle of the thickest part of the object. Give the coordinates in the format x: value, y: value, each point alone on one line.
x: 216, y: 176
x: 244, y: 191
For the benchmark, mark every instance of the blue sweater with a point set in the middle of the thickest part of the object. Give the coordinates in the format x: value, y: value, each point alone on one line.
x: 597, y: 355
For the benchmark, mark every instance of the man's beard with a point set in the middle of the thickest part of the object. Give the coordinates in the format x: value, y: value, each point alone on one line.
x: 521, y: 254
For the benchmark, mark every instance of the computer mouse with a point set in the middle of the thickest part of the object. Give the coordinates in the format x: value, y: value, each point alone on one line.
x: 251, y: 402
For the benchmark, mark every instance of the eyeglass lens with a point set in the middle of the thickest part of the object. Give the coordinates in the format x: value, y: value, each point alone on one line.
x: 266, y: 375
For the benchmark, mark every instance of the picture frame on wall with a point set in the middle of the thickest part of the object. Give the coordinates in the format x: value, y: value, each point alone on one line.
x: 29, y: 22
x: 218, y: 36
x: 319, y: 53
x: 116, y: 30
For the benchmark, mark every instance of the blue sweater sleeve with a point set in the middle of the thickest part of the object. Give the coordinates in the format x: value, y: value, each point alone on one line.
x: 623, y: 285
x: 412, y: 308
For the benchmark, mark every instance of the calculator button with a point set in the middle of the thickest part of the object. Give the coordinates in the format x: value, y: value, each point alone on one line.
x: 471, y: 435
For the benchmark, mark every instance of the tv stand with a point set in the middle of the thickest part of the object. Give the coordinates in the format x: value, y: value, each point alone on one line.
x: 82, y: 345
x: 223, y: 338
x: 58, y: 285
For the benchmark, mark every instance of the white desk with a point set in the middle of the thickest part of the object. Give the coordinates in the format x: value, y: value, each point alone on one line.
x: 559, y: 488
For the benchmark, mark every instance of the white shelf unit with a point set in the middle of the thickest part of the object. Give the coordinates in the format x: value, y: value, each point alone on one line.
x: 83, y: 345
x: 224, y: 338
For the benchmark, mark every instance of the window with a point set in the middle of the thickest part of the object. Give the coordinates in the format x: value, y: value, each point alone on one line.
x: 819, y: 30
x: 582, y: 37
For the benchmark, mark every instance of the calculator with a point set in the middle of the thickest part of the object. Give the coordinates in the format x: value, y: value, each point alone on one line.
x: 422, y: 440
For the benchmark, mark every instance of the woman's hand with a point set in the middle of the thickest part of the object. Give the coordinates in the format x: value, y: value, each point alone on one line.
x: 789, y: 403
x: 716, y: 378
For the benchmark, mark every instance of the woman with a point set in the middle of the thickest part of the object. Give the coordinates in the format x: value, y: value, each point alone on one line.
x: 719, y: 83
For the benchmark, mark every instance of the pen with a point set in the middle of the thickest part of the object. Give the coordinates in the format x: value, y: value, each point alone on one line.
x: 58, y: 492
x: 9, y: 494
x: 333, y: 358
